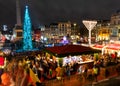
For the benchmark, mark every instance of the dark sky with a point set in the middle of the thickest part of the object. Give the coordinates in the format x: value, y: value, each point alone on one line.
x: 49, y: 11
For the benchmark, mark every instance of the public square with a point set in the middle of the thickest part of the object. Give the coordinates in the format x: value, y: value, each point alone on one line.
x: 59, y: 43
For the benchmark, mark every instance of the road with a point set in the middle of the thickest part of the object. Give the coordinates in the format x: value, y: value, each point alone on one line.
x: 115, y: 81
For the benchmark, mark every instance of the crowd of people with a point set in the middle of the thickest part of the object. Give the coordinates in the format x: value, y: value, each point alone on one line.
x: 17, y: 72
x: 33, y: 70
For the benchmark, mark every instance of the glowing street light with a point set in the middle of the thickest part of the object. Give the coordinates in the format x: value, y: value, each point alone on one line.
x: 89, y: 25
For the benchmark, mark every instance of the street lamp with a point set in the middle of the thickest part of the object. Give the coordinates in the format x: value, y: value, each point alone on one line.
x: 89, y: 25
x: 74, y: 28
x: 74, y: 32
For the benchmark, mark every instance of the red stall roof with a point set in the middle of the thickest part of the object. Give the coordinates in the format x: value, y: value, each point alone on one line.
x: 98, y: 46
x: 113, y: 46
x: 70, y: 49
x: 108, y: 46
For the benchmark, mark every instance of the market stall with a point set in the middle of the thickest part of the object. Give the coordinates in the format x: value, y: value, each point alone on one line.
x: 108, y: 48
x: 73, y: 55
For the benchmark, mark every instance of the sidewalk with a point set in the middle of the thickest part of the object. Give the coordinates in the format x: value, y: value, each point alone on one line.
x: 105, y: 81
x: 77, y: 80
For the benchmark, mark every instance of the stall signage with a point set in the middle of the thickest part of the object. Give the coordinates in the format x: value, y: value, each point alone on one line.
x: 1, y: 61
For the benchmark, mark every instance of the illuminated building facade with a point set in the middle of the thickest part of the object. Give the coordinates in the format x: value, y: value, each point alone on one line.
x: 115, y: 26
x: 56, y: 31
x: 103, y: 30
x: 109, y: 30
x: 104, y: 33
x: 37, y: 35
x: 61, y: 28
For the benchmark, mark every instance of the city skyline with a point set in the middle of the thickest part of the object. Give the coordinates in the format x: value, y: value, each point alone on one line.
x: 45, y: 12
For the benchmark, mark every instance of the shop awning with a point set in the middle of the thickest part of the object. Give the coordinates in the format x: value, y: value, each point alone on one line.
x: 98, y: 46
x: 113, y: 46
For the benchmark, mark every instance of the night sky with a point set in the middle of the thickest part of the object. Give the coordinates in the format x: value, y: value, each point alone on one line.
x: 48, y: 11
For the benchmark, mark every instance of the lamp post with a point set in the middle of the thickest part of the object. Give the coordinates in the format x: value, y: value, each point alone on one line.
x: 89, y: 25
x: 74, y: 32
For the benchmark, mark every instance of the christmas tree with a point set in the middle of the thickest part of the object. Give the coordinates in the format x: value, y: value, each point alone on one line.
x: 27, y: 31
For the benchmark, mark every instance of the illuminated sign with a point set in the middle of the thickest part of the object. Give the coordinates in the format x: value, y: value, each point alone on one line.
x: 1, y: 61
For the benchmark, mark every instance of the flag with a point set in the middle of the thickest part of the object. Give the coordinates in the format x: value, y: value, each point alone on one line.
x: 33, y: 76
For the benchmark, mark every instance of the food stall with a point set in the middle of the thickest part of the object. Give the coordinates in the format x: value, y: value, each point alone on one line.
x: 71, y: 53
x: 108, y: 48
